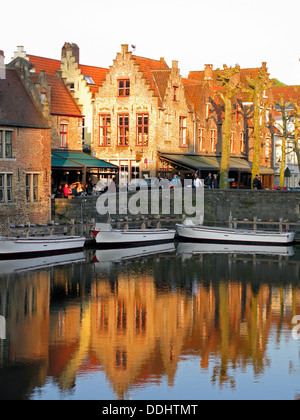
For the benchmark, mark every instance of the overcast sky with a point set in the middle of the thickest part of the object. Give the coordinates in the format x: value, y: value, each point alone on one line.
x: 193, y: 32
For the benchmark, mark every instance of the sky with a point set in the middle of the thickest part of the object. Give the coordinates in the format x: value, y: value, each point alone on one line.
x: 193, y: 32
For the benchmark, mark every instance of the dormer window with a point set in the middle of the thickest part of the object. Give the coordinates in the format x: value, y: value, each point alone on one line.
x: 89, y: 80
x: 43, y: 96
x: 124, y: 87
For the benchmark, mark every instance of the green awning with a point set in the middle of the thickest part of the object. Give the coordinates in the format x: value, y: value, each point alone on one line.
x: 78, y: 160
x: 213, y: 163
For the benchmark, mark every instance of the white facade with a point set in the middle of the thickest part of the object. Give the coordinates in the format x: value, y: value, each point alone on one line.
x: 291, y: 161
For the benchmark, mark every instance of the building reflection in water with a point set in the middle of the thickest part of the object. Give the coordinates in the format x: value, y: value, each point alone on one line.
x: 135, y: 319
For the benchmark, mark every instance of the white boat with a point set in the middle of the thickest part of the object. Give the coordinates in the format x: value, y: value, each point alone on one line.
x: 226, y: 235
x: 105, y: 235
x: 13, y: 247
x: 193, y: 248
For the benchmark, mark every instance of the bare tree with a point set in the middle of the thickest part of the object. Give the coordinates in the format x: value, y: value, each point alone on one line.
x: 256, y: 88
x: 231, y: 88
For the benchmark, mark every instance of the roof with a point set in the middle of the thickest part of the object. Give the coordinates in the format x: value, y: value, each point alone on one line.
x: 76, y: 159
x: 288, y: 93
x: 252, y: 73
x: 62, y: 102
x: 98, y: 74
x: 157, y: 81
x: 16, y: 106
x: 194, y: 162
x: 41, y: 63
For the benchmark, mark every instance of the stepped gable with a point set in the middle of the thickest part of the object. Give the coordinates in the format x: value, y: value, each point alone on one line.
x: 51, y: 66
x: 148, y: 67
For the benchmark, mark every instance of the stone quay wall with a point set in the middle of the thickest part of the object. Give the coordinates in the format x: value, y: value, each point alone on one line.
x: 219, y: 206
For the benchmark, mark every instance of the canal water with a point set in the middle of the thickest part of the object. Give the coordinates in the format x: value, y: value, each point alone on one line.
x: 168, y: 322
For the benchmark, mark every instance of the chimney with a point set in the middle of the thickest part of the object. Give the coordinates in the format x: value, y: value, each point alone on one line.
x: 208, y: 72
x: 174, y: 64
x: 2, y: 66
x: 124, y: 48
x: 73, y: 49
x: 20, y: 53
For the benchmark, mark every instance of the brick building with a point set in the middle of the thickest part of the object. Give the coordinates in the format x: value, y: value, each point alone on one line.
x: 57, y: 86
x: 142, y: 116
x: 285, y: 98
x: 141, y: 110
x: 25, y: 154
x: 201, y: 90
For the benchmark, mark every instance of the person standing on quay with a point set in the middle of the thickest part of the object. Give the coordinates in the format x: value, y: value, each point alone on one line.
x: 215, y: 182
x: 208, y: 181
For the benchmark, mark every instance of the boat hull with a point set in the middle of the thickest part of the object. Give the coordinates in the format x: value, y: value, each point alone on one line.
x: 243, y: 237
x: 132, y: 237
x: 11, y: 248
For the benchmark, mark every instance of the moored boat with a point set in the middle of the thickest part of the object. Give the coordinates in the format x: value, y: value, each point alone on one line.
x: 13, y: 247
x: 228, y: 235
x: 105, y: 235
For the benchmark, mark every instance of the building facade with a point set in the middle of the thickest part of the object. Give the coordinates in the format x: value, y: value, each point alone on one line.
x: 139, y: 111
x: 25, y: 155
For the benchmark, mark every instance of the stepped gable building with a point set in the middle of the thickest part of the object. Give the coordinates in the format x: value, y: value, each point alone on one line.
x: 201, y: 89
x: 25, y: 154
x: 140, y: 111
x: 43, y: 79
x: 64, y: 92
x: 285, y: 98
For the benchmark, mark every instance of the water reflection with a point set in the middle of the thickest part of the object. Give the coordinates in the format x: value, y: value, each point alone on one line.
x: 135, y: 315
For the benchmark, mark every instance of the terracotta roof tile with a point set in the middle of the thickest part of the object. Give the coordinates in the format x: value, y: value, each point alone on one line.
x: 161, y: 78
x: 98, y: 74
x: 62, y: 102
x: 287, y: 92
x: 41, y: 63
x: 16, y: 106
x: 147, y: 66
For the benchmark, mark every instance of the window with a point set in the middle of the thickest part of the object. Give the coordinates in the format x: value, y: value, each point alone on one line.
x: 175, y: 93
x: 5, y: 144
x: 89, y: 80
x: 43, y: 96
x: 207, y: 110
x: 213, y: 140
x: 63, y: 136
x: 232, y: 142
x: 6, y: 195
x: 243, y: 142
x: 201, y: 139
x: 123, y: 130
x: 267, y: 150
x: 31, y: 187
x: 183, y: 137
x: 142, y: 129
x: 104, y: 130
x: 124, y: 87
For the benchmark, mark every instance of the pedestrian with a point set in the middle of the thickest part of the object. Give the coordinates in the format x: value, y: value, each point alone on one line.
x: 59, y: 192
x: 197, y: 181
x: 255, y: 182
x: 215, y: 182
x: 208, y: 181
x: 67, y: 191
x: 259, y: 185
